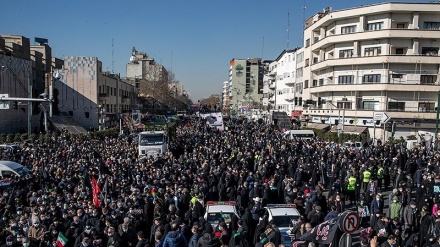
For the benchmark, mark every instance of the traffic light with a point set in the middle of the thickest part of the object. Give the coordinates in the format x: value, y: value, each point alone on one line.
x: 389, y: 127
x: 296, y: 100
x: 15, y: 105
x: 300, y: 101
x: 319, y: 100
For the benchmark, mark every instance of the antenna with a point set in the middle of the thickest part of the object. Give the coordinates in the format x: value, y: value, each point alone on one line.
x: 288, y: 29
x: 113, y: 55
x: 304, y: 19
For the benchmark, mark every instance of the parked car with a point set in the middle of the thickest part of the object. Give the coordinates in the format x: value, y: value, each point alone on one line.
x: 9, y: 170
x: 353, y: 146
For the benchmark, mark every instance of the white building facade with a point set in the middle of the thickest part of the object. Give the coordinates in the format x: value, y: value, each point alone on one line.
x: 375, y: 58
x: 283, y: 82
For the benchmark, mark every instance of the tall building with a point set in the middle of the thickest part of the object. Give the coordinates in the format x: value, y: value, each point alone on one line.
x: 245, y: 83
x: 374, y: 58
x: 283, y: 83
x: 93, y: 98
x: 143, y: 70
x: 28, y: 67
x: 225, y: 93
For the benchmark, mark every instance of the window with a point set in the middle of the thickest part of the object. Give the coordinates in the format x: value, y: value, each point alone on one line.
x: 431, y: 25
x: 372, y: 78
x: 321, y: 82
x: 307, y: 42
x: 315, y: 83
x: 315, y: 60
x: 397, y: 76
x: 346, y: 53
x: 370, y: 105
x: 400, y: 25
x: 299, y: 72
x: 306, y: 84
x: 426, y: 106
x: 430, y: 51
x: 348, y: 29
x: 307, y: 62
x: 400, y: 106
x: 428, y: 79
x: 346, y: 79
x: 299, y: 57
x: 399, y: 51
x: 344, y: 105
x: 375, y: 26
x: 372, y: 51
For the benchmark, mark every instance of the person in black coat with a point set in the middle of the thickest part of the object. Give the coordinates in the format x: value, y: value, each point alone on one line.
x: 142, y: 241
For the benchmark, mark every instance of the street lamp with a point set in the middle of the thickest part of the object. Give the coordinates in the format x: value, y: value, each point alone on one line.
x: 339, y: 126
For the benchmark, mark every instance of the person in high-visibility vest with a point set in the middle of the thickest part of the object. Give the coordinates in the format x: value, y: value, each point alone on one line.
x: 366, y: 176
x: 351, y: 188
x: 379, y: 177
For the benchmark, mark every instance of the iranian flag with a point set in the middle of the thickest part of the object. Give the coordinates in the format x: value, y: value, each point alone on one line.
x: 61, y: 240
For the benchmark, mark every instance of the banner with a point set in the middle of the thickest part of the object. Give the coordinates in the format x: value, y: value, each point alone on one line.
x: 322, y: 233
x: 95, y: 192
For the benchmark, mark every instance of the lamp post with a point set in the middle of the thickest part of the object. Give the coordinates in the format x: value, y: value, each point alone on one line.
x: 339, y: 118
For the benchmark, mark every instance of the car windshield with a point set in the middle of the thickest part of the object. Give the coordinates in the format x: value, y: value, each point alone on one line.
x: 213, y: 218
x: 285, y: 220
x: 151, y: 139
x: 22, y: 170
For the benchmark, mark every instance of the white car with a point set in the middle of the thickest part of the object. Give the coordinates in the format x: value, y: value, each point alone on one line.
x: 284, y: 217
x: 217, y: 210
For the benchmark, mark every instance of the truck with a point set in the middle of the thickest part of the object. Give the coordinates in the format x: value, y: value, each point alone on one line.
x: 157, y: 134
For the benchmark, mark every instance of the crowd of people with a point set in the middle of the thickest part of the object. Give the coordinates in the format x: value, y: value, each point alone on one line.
x: 160, y: 201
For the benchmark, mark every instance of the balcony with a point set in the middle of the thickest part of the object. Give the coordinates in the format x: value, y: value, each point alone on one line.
x: 384, y: 59
x: 375, y: 35
x: 359, y: 113
x: 360, y: 87
x: 272, y: 85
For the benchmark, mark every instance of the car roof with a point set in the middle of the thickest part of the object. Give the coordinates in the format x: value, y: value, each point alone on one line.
x: 280, y: 210
x: 221, y: 209
x: 10, y: 164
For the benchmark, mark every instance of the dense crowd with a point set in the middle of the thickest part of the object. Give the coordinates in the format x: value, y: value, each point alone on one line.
x: 152, y: 201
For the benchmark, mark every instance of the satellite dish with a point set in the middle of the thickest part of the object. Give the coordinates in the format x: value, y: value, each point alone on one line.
x: 133, y: 59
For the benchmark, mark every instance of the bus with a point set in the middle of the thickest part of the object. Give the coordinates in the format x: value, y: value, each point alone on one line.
x: 214, y: 120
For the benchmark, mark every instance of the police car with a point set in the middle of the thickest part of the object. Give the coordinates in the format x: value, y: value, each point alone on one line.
x: 284, y: 217
x: 217, y: 210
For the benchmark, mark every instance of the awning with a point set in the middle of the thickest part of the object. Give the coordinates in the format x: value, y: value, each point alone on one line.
x: 348, y: 129
x: 319, y: 126
x: 68, y: 123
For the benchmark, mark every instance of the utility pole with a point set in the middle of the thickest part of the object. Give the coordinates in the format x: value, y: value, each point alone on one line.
x: 436, y: 122
x: 29, y: 105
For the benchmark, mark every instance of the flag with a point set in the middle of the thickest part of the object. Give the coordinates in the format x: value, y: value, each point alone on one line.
x: 153, y: 193
x: 103, y: 169
x: 61, y: 240
x: 95, y: 192
x: 322, y: 233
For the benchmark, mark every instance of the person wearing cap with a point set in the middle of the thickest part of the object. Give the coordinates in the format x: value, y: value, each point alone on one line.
x: 256, y: 209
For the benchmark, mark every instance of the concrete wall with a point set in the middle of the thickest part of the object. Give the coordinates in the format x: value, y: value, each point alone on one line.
x: 14, y: 121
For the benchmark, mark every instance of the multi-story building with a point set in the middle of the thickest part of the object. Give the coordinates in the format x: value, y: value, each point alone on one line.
x: 225, y: 93
x: 374, y: 58
x: 284, y: 82
x: 245, y: 83
x: 95, y: 99
x: 28, y: 66
x: 143, y: 71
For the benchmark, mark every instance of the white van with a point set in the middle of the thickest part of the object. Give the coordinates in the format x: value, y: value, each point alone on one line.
x: 9, y: 170
x: 299, y: 134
